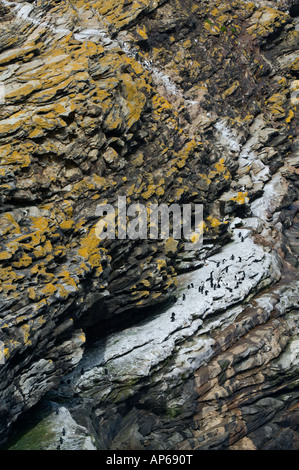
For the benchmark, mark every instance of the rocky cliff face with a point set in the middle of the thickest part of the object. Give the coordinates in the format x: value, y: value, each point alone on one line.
x: 161, y: 101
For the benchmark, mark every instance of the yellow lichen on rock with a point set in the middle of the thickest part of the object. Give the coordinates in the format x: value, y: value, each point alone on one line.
x: 135, y: 100
x: 89, y: 250
x: 241, y: 198
x: 220, y: 169
x: 265, y: 21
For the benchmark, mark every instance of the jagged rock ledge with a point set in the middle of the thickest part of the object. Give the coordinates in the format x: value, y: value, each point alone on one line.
x: 147, y: 99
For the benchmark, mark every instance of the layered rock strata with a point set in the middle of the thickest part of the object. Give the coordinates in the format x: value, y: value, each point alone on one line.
x: 161, y: 102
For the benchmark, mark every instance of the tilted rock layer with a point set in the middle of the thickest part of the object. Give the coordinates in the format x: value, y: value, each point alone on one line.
x: 162, y: 102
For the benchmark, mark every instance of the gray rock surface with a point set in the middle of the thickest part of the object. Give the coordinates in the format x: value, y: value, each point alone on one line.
x: 139, y: 344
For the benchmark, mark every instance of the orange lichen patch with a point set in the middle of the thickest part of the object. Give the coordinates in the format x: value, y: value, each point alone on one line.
x: 66, y: 62
x: 213, y: 221
x: 36, y: 133
x: 80, y: 225
x: 95, y: 261
x: 194, y: 238
x: 291, y: 116
x: 275, y: 104
x: 251, y: 6
x: 211, y: 27
x: 21, y: 91
x: 23, y: 262
x: 47, y: 94
x: 47, y: 122
x: 27, y: 242
x: 137, y: 69
x: 8, y: 288
x: 39, y: 306
x: 63, y: 107
x: 277, y: 112
x: 12, y: 345
x: 59, y: 250
x: 161, y: 263
x: 150, y: 191
x: 170, y: 246
x: 90, y: 183
x: 14, y: 157
x: 220, y: 166
x: 100, y: 182
x: 160, y: 105
x: 82, y: 337
x: 135, y: 99
x: 145, y: 283
x: 89, y: 249
x: 142, y: 32
x: 67, y: 224
x: 12, y: 247
x: 173, y: 169
x: 140, y: 294
x: 4, y: 255
x: 49, y: 289
x: 120, y: 13
x: 178, y: 193
x: 26, y: 332
x: 12, y: 124
x: 82, y: 269
x: 186, y: 152
x: 7, y: 275
x: 220, y: 169
x: 265, y: 21
x: 67, y: 280
x: 39, y: 223
x: 33, y: 294
x: 278, y: 99
x: 204, y: 182
x: 203, y: 227
x: 42, y: 251
x: 67, y: 208
x: 114, y: 120
x: 156, y: 189
x: 64, y: 290
x: 17, y: 54
x: 241, y: 198
x: 160, y: 191
x: 39, y: 270
x: 295, y: 65
x: 90, y: 49
x: 231, y: 90
x: 8, y: 225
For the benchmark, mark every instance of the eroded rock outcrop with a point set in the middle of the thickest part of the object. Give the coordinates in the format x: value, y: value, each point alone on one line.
x: 167, y: 102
